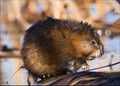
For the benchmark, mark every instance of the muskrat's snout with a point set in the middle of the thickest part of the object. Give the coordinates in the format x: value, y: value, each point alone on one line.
x: 101, y: 51
x: 98, y: 53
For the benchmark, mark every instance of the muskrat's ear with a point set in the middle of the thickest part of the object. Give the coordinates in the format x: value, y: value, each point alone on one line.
x: 74, y: 30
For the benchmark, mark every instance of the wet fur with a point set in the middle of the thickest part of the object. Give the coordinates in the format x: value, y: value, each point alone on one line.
x: 50, y: 45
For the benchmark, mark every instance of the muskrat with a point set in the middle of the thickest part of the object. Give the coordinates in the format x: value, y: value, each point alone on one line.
x: 53, y: 47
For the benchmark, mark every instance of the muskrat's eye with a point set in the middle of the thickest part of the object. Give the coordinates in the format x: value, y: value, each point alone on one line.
x: 93, y: 42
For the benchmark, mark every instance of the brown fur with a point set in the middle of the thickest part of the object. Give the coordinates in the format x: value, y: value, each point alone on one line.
x: 49, y: 46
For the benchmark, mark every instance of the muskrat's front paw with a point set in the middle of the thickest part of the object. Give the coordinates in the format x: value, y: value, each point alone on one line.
x: 47, y: 76
x: 43, y: 77
x: 85, y: 66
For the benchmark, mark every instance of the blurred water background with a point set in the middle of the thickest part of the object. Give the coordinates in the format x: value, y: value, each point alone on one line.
x: 17, y: 15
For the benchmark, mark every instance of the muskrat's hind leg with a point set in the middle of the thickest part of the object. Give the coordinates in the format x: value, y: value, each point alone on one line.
x: 31, y: 79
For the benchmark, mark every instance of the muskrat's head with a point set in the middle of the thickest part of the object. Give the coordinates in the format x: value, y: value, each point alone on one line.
x: 86, y: 42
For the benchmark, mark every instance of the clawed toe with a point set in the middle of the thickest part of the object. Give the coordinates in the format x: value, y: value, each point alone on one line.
x: 85, y: 67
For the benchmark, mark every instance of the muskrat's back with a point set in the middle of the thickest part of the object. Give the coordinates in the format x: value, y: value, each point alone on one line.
x: 50, y: 45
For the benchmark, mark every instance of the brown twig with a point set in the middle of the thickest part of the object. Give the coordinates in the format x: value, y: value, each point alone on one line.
x: 111, y: 62
x: 105, y: 66
x: 9, y: 54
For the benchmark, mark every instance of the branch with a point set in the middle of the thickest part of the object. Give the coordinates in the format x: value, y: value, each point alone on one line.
x: 9, y: 54
x: 105, y: 66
